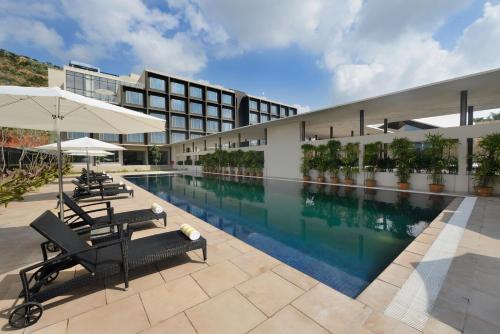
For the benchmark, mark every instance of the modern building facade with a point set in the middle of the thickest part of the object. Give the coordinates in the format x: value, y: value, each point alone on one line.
x: 376, y: 119
x: 191, y: 109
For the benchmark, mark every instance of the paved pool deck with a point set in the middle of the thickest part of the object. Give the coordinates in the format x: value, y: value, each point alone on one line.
x: 242, y: 290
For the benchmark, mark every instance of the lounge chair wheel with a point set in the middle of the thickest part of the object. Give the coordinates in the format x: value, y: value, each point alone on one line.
x: 52, y: 248
x: 25, y: 315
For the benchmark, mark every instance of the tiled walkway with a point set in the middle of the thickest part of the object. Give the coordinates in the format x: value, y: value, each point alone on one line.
x: 240, y: 289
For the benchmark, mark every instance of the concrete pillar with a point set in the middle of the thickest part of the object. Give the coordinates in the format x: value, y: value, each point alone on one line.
x: 183, y: 148
x: 220, y: 142
x: 470, y: 115
x: 331, y: 132
x: 265, y: 135
x: 361, y: 122
x: 205, y: 145
x: 193, y: 148
x: 302, y: 131
x: 463, y: 107
x: 470, y: 149
x: 462, y: 182
x: 386, y: 124
x: 239, y: 140
x: 120, y: 157
x: 352, y: 133
x: 360, y: 177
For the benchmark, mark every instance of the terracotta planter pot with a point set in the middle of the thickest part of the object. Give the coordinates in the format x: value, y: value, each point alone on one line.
x: 306, y: 178
x: 334, y: 179
x: 321, y: 179
x: 370, y: 183
x: 436, y: 188
x: 349, y: 181
x: 403, y: 185
x: 484, y: 191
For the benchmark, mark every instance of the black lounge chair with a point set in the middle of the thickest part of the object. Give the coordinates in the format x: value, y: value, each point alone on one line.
x: 82, y: 221
x: 101, y: 260
x: 84, y: 191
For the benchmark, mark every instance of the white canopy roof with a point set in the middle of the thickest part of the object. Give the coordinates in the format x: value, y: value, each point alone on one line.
x: 83, y: 144
x: 37, y: 107
x: 92, y: 153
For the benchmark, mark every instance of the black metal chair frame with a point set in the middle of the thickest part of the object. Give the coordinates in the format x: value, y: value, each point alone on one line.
x: 83, y: 191
x: 36, y: 289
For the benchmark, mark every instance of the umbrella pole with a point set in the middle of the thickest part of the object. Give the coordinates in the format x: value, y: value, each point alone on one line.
x: 59, y: 162
x: 88, y: 167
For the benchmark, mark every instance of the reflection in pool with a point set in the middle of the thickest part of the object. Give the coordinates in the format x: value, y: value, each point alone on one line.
x: 342, y: 236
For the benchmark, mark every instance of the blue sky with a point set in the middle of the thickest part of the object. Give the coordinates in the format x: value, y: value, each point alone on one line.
x: 311, y: 53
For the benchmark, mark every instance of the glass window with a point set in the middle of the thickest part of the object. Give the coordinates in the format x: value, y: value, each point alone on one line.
x: 178, y: 122
x: 226, y: 126
x: 282, y: 111
x: 212, y: 125
x: 213, y: 111
x: 109, y: 158
x: 195, y: 108
x: 158, y: 138
x: 155, y: 83
x: 135, y: 138
x: 178, y: 88
x: 292, y: 111
x: 196, y: 135
x: 197, y: 123
x: 227, y: 113
x: 264, y: 107
x: 274, y: 109
x: 274, y: 117
x: 227, y: 99
x: 178, y: 105
x: 157, y: 101
x: 253, y: 104
x: 264, y: 118
x: 212, y: 95
x: 254, y: 118
x: 158, y: 115
x: 76, y: 135
x: 177, y: 137
x: 109, y: 137
x: 195, y: 92
x: 132, y: 97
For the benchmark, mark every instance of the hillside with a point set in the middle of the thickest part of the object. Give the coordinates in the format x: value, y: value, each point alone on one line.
x: 17, y: 70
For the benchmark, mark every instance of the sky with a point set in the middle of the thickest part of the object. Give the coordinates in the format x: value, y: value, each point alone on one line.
x: 310, y: 53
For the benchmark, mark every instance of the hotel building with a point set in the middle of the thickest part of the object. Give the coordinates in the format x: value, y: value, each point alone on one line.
x: 191, y: 109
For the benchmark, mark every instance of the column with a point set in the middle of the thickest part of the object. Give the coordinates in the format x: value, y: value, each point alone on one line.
x: 462, y: 182
x: 470, y: 141
x: 386, y: 126
x: 361, y: 122
x: 302, y: 131
x: 205, y: 145
x: 220, y: 142
x: 239, y: 140
x: 193, y: 148
x: 265, y: 135
x: 470, y: 115
x: 183, y: 148
x: 331, y: 132
x: 360, y: 177
x: 463, y: 107
x: 352, y: 133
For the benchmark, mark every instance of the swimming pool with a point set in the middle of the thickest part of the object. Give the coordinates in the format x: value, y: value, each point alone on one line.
x: 342, y: 236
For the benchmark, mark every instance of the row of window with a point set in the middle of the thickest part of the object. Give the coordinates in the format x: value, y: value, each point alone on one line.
x: 194, y: 91
x: 90, y: 86
x: 197, y: 124
x: 159, y: 102
x: 264, y: 108
x: 253, y: 118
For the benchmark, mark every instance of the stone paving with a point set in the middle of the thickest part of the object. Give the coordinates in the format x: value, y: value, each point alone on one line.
x: 242, y: 290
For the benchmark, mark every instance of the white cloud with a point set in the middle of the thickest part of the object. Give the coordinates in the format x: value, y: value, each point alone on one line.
x: 30, y: 32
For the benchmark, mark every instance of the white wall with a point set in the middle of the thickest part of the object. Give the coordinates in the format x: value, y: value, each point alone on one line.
x: 283, y: 154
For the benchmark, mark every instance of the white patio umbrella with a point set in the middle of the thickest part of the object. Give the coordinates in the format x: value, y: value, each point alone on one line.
x: 86, y: 145
x: 54, y: 109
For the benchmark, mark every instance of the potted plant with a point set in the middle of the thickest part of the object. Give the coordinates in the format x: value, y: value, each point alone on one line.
x: 403, y: 152
x: 350, y: 162
x: 488, y: 164
x: 334, y: 148
x: 307, y: 157
x: 321, y: 161
x: 438, y: 151
x: 371, y: 162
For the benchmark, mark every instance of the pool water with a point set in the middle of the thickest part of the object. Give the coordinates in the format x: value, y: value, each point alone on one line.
x: 342, y: 236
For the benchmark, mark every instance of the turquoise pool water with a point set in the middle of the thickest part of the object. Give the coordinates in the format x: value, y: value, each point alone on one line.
x: 342, y: 236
